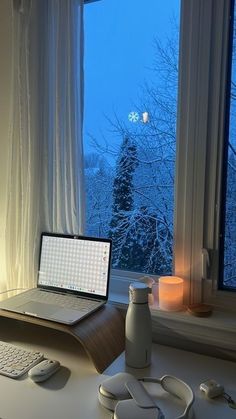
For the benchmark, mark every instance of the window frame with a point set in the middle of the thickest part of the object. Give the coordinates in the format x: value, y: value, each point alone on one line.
x: 202, y: 97
x: 218, y: 129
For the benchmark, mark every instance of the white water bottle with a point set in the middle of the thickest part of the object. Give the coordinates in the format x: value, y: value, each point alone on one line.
x: 138, y: 327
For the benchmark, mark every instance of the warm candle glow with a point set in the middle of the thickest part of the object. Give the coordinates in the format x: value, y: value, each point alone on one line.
x: 171, y: 293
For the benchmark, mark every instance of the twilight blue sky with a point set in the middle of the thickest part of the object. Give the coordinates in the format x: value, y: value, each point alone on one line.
x: 119, y: 55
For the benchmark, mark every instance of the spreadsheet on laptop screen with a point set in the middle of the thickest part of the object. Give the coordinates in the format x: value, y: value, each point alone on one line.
x: 74, y: 264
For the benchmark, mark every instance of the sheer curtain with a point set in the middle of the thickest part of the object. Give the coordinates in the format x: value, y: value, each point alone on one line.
x: 45, y: 183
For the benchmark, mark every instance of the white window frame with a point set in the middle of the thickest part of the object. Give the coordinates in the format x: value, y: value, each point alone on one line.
x: 214, y: 173
x: 202, y: 105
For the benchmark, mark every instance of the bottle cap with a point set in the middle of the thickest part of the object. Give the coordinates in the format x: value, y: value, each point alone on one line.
x: 138, y: 292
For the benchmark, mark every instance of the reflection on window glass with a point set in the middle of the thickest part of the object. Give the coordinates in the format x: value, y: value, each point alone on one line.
x: 131, y: 77
x: 228, y: 270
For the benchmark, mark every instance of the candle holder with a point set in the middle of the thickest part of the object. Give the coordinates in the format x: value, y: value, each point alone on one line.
x: 171, y: 289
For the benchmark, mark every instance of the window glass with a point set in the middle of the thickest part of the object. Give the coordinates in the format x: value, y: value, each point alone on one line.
x: 131, y: 77
x: 228, y: 233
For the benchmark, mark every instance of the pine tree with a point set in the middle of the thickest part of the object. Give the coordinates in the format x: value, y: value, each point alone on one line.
x: 123, y: 203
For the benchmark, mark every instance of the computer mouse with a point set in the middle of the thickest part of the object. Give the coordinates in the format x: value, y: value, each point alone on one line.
x: 43, y: 370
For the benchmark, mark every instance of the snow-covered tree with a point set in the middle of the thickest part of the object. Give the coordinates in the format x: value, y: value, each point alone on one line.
x: 99, y: 180
x: 123, y: 203
x: 141, y: 223
x: 141, y: 215
x: 149, y: 236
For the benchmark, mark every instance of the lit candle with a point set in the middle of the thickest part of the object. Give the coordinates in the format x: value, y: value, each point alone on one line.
x: 171, y: 293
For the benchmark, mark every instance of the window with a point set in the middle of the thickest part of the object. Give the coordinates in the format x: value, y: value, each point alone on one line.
x: 195, y: 166
x: 131, y: 80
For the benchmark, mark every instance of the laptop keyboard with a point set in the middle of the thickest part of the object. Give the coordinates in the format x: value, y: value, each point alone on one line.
x: 16, y: 361
x: 65, y: 301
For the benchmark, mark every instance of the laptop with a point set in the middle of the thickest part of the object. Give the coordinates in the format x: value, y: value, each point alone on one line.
x: 73, y: 279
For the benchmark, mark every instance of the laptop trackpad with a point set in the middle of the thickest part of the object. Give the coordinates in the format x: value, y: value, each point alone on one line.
x: 40, y: 309
x: 50, y: 312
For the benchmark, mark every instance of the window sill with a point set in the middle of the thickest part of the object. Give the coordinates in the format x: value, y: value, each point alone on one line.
x: 214, y: 335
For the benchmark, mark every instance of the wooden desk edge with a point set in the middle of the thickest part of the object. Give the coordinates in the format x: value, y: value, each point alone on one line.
x: 101, y: 334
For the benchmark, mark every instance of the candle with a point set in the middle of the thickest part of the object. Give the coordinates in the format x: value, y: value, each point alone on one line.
x: 171, y: 293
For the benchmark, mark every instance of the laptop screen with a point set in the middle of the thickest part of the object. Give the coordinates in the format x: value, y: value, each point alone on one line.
x: 75, y: 263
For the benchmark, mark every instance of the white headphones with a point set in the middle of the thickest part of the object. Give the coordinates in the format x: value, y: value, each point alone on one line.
x: 128, y: 399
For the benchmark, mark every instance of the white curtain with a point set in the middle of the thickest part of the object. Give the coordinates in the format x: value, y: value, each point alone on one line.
x: 45, y: 186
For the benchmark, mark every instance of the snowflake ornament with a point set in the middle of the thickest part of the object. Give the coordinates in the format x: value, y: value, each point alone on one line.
x: 133, y: 116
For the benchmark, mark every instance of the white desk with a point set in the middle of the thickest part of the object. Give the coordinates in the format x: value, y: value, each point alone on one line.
x: 72, y: 392
x: 193, y: 369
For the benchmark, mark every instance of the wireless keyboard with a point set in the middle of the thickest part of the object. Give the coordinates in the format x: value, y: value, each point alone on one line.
x: 15, y: 361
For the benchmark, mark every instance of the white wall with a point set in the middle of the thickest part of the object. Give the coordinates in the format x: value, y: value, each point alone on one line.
x: 5, y: 97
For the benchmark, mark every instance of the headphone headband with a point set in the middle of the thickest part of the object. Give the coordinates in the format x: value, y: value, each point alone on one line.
x: 127, y: 397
